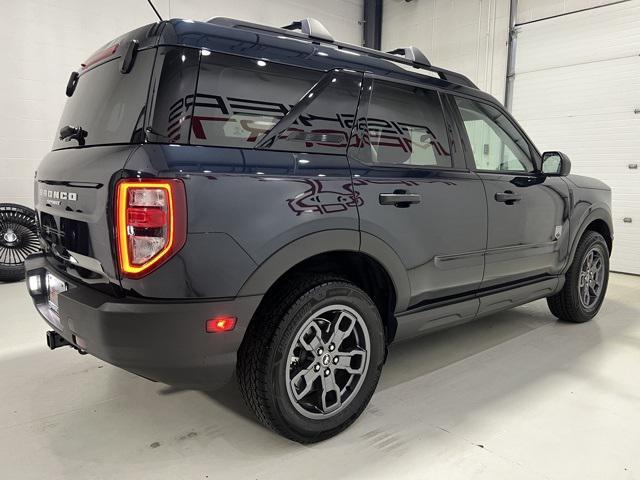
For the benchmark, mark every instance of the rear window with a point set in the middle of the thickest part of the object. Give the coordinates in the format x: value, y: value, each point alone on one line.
x: 108, y: 105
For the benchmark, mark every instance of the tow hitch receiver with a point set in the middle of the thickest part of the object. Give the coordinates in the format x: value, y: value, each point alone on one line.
x: 55, y: 340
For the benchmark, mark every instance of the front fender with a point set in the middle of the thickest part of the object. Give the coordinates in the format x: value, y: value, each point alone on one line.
x: 593, y: 213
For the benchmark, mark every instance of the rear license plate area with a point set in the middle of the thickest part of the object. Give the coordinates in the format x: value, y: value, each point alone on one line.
x: 55, y: 287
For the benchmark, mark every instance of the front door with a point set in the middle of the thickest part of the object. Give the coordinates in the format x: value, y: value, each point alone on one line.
x: 528, y: 229
x: 417, y: 195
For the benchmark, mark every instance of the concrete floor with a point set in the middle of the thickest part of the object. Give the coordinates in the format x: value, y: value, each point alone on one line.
x: 516, y: 395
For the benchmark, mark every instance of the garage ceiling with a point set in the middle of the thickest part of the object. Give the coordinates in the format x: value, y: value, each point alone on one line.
x: 577, y: 90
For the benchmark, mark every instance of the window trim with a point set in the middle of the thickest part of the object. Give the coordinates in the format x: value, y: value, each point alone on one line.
x: 536, y: 157
x: 458, y: 162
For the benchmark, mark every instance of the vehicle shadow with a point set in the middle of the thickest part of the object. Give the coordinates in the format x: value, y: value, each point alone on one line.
x: 512, y: 349
x: 428, y: 384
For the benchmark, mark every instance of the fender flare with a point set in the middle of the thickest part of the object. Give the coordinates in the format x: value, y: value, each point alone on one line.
x: 328, y: 241
x: 594, y: 213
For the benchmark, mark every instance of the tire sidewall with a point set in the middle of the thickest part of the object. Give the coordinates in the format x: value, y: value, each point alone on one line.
x: 319, y: 297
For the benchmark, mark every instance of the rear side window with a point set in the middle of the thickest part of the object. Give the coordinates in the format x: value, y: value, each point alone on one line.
x: 172, y: 93
x: 404, y: 126
x: 109, y: 105
x: 239, y: 99
x: 323, y: 120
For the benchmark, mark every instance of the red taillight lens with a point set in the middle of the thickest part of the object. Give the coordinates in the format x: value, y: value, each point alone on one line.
x: 220, y: 324
x: 151, y: 218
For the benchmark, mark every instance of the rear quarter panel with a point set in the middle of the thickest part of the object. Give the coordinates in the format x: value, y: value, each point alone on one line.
x: 244, y: 206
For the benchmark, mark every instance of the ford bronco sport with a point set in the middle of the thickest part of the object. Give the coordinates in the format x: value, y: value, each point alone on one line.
x: 229, y: 197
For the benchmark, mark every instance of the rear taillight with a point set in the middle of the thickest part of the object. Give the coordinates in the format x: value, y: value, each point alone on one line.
x: 151, y: 223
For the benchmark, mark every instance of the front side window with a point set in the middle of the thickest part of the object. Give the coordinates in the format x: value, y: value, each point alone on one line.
x: 496, y: 143
x: 404, y: 126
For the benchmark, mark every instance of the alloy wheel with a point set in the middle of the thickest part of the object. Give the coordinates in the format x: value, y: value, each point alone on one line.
x: 592, y: 276
x: 18, y: 235
x: 328, y: 361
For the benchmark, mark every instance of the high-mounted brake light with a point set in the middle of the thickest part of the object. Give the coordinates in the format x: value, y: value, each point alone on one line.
x: 151, y: 223
x: 99, y: 56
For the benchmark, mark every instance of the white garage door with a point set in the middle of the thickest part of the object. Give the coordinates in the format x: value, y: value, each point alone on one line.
x: 577, y: 90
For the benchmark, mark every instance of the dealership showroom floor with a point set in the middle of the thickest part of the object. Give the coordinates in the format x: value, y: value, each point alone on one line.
x: 516, y: 395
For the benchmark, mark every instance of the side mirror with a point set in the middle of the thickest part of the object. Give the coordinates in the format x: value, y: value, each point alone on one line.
x: 556, y: 163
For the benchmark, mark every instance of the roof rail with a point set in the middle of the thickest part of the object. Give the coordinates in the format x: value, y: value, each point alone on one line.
x: 413, y: 54
x: 313, y: 29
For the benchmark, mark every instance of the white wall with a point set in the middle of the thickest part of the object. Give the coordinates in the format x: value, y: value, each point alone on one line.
x: 529, y: 10
x: 44, y: 40
x: 468, y: 36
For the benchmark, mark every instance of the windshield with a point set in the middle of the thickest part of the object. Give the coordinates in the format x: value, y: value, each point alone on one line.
x: 108, y: 105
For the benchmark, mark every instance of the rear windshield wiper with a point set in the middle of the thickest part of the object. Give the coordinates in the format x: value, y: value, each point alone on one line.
x: 69, y: 132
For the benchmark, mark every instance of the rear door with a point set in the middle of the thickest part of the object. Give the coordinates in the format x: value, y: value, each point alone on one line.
x: 417, y: 194
x: 528, y: 213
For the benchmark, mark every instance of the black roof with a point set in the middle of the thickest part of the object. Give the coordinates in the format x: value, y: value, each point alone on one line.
x: 285, y: 45
x: 315, y: 49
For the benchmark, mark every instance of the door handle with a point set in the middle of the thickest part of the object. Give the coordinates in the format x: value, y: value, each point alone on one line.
x: 508, y: 197
x: 400, y: 198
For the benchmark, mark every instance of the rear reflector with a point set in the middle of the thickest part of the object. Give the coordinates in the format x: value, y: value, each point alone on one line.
x: 151, y: 221
x: 221, y: 324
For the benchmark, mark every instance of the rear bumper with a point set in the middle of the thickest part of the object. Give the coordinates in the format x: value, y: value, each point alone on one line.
x: 159, y: 340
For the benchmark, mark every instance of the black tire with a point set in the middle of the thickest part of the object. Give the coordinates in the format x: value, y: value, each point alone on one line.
x: 18, y: 239
x: 263, y: 359
x: 566, y: 304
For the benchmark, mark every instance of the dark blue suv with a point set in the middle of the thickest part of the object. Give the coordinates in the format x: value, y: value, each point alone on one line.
x: 229, y: 197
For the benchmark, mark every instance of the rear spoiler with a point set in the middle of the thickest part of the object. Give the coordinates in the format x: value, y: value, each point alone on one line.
x: 125, y: 47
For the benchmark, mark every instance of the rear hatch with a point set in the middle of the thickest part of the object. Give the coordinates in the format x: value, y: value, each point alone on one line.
x: 103, y: 123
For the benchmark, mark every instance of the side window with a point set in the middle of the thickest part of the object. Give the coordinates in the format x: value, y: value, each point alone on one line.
x: 176, y: 72
x: 496, y: 143
x: 404, y: 126
x: 325, y: 124
x: 240, y: 99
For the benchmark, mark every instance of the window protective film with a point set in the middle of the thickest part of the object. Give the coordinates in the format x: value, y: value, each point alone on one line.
x: 496, y: 143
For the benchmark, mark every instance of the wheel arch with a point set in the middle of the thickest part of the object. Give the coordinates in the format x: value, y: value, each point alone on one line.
x: 369, y: 263
x: 597, y: 220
